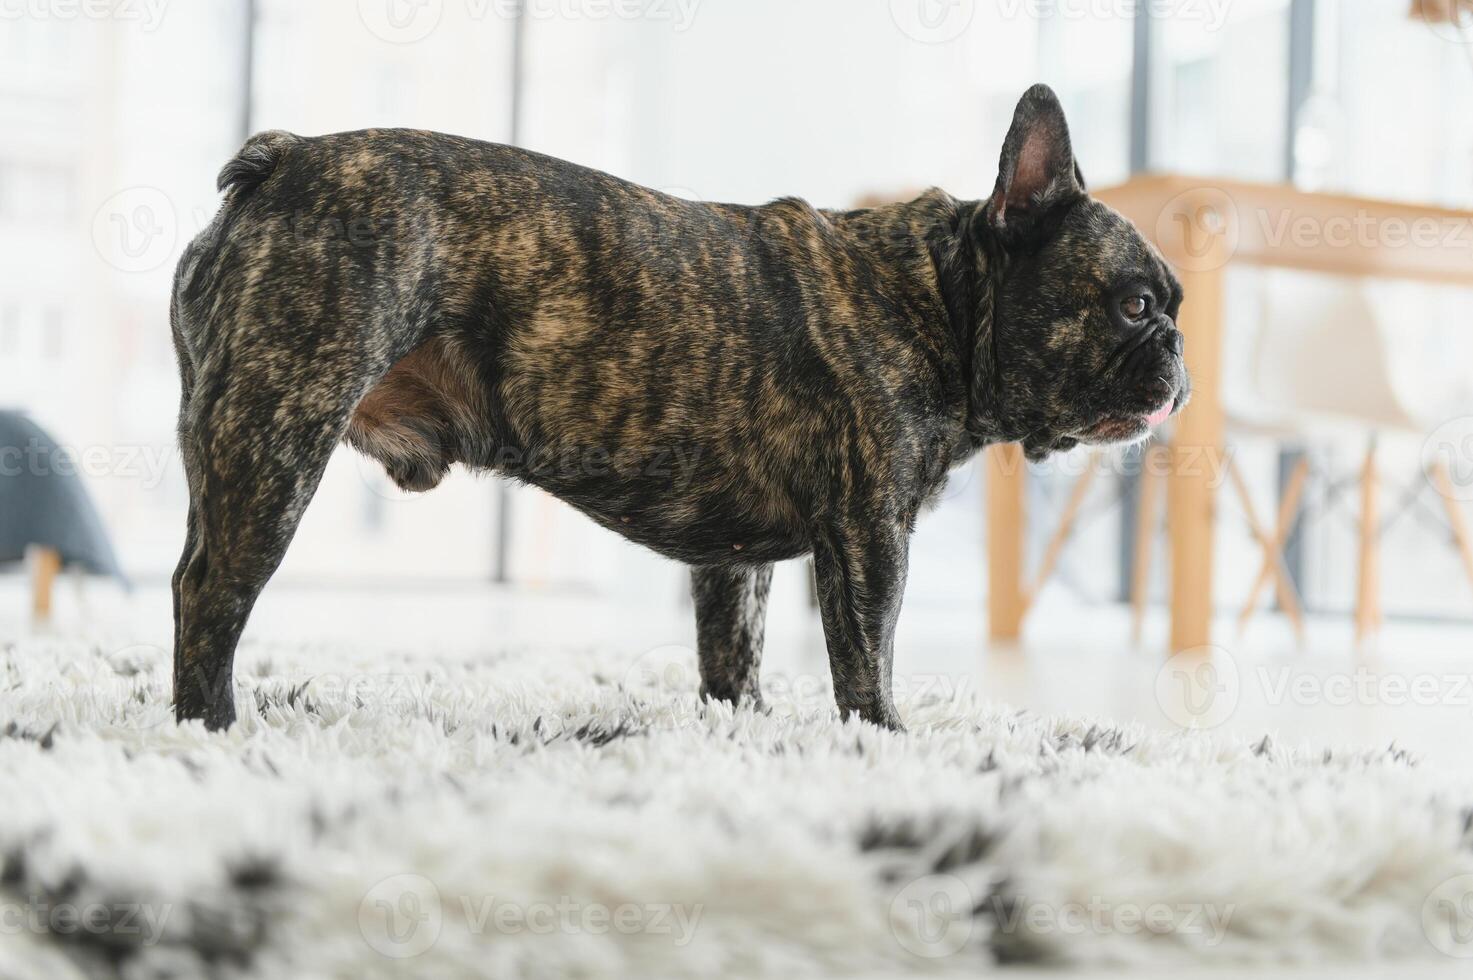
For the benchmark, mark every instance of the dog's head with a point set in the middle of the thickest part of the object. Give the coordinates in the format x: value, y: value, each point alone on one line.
x: 1083, y: 345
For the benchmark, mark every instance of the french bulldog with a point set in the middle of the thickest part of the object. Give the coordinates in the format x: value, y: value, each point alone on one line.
x: 729, y: 385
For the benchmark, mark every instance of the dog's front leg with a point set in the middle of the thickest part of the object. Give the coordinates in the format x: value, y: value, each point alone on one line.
x: 861, y: 577
x: 731, y: 605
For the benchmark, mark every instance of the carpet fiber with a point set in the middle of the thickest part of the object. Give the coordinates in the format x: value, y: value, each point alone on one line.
x: 555, y: 813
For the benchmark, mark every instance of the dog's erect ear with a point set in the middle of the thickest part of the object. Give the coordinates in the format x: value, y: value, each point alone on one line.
x: 1037, y: 173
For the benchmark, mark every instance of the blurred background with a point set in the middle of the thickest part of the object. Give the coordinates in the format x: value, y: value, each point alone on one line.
x: 117, y: 115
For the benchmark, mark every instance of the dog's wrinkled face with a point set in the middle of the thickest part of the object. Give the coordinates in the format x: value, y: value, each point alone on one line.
x: 1085, y: 343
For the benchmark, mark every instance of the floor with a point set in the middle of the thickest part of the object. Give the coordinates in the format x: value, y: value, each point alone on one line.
x: 1414, y: 689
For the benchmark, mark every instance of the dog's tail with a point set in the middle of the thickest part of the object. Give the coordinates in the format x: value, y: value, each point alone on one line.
x: 255, y: 162
x: 198, y: 268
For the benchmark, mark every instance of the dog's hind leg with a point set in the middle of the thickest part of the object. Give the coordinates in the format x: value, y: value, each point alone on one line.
x: 256, y: 430
x: 186, y: 390
x: 731, y: 606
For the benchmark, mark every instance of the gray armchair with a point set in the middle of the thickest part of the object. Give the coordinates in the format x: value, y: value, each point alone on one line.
x: 45, y: 513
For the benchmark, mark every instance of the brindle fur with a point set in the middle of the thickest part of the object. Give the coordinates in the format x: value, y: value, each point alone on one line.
x: 731, y: 386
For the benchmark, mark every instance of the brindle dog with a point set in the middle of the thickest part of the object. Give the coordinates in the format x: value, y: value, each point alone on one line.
x: 731, y: 386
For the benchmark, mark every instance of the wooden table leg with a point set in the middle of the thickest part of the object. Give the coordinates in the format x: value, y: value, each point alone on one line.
x: 1007, y: 483
x: 45, y: 565
x: 1196, y: 462
x: 1368, y: 593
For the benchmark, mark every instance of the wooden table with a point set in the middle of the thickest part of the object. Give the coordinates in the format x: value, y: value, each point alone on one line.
x: 1204, y: 225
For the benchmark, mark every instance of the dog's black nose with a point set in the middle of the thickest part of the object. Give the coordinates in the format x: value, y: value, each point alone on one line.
x: 1175, y: 341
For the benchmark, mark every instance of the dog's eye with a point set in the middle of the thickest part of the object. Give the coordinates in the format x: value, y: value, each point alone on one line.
x: 1134, y: 307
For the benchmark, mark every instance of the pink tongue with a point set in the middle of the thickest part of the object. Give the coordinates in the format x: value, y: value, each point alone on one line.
x: 1159, y: 415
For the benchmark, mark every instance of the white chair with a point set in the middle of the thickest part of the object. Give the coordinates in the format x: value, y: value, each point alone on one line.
x: 1322, y: 368
x: 1326, y: 359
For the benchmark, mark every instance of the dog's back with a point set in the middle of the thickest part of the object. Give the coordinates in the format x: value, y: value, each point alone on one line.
x: 512, y: 311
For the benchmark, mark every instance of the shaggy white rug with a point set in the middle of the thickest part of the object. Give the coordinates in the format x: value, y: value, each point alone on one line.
x: 544, y: 813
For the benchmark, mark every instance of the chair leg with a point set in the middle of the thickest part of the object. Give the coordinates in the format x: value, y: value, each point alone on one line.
x: 1273, y: 548
x: 1368, y: 601
x: 1443, y: 481
x: 1288, y: 508
x: 1145, y: 537
x: 45, y: 566
x: 1062, y: 533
